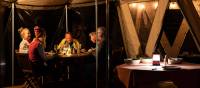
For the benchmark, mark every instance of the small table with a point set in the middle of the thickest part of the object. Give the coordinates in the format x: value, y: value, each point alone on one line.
x: 144, y: 74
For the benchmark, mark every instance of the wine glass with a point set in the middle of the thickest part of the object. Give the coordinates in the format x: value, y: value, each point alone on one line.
x: 55, y: 48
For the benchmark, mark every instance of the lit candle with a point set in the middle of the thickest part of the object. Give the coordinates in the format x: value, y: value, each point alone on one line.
x: 156, y: 59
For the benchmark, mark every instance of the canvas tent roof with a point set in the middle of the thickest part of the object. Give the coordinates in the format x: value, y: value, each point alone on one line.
x: 41, y: 2
x: 44, y: 4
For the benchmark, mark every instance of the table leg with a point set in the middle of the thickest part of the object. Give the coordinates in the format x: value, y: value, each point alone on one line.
x: 68, y: 74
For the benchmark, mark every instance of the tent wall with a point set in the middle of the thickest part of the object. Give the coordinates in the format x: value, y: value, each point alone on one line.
x: 51, y: 20
x: 41, y: 2
x: 191, y: 16
x: 5, y: 45
x: 2, y: 58
x: 129, y: 33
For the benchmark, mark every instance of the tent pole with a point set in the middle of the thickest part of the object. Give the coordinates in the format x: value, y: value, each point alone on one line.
x: 96, y: 26
x: 108, y: 41
x: 66, y: 18
x: 13, y: 24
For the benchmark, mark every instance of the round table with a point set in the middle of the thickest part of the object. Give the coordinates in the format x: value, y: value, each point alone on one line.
x: 143, y: 74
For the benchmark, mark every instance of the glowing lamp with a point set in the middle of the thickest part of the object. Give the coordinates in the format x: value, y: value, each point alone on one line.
x: 173, y: 5
x: 156, y: 59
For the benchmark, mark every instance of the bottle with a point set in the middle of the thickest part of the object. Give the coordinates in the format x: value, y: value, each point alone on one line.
x: 165, y: 60
x: 73, y: 51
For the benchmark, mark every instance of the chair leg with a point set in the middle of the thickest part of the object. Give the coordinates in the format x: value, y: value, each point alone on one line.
x: 42, y: 80
x: 26, y: 84
x: 34, y: 82
x: 27, y: 81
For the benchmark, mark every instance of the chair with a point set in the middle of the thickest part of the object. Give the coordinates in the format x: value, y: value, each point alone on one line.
x: 26, y: 67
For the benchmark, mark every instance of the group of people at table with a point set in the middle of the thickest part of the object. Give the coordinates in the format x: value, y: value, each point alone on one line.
x: 67, y: 46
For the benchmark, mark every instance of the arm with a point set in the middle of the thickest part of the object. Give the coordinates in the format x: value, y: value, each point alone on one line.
x: 77, y: 45
x: 41, y: 52
x: 61, y: 44
x: 21, y: 45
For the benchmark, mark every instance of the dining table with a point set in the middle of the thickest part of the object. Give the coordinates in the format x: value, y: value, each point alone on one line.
x: 49, y: 55
x: 184, y: 75
x: 74, y: 64
x: 66, y: 67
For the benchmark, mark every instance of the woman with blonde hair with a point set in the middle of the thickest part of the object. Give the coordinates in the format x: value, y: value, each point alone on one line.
x: 26, y: 36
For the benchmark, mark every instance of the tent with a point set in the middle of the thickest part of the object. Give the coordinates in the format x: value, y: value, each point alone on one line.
x: 28, y: 9
x: 28, y: 13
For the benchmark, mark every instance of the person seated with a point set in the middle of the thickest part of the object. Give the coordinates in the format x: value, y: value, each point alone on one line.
x: 101, y: 36
x: 99, y: 39
x: 92, y: 36
x: 36, y: 52
x: 93, y: 39
x: 26, y: 38
x: 69, y: 45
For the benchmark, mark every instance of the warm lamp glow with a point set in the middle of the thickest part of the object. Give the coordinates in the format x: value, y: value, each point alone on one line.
x: 173, y: 5
x: 133, y: 5
x: 69, y: 52
x: 155, y: 5
x: 141, y: 6
x: 156, y: 57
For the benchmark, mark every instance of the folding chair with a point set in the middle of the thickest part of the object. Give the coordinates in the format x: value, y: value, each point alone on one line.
x: 26, y: 67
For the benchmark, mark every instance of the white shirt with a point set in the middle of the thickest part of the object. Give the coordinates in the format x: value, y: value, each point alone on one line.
x: 23, y: 46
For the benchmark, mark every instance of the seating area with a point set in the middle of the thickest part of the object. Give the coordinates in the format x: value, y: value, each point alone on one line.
x: 99, y: 43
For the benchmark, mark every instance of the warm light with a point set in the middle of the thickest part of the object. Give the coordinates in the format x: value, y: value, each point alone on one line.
x: 173, y: 5
x: 156, y: 60
x: 133, y: 5
x: 141, y: 6
x: 156, y: 57
x: 155, y: 5
x: 69, y: 52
